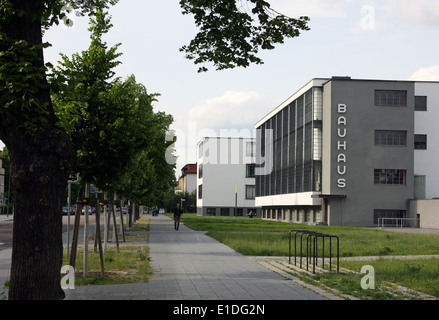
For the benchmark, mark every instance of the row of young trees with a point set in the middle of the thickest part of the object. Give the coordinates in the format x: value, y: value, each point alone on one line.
x: 43, y: 150
x: 120, y: 141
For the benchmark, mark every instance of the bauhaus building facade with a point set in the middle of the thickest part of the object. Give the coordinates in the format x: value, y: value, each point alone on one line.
x: 226, y: 176
x: 349, y: 152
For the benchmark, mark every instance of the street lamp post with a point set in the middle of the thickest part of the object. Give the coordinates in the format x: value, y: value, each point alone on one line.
x: 71, y: 180
x: 236, y: 200
x: 181, y: 203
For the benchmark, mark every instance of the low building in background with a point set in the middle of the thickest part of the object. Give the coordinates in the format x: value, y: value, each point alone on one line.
x: 226, y: 176
x: 188, y: 179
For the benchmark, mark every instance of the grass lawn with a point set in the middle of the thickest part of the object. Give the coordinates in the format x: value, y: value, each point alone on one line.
x: 256, y: 237
x: 417, y: 274
x: 129, y: 265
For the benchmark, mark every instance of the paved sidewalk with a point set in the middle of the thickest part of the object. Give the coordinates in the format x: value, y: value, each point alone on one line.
x: 188, y: 265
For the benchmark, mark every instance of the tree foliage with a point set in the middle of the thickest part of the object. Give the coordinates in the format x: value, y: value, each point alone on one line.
x: 41, y: 152
x: 189, y: 203
x: 22, y: 69
x: 231, y: 32
x: 119, y: 139
x: 151, y: 174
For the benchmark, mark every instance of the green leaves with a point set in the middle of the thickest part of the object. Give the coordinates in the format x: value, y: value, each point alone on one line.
x: 120, y: 141
x: 21, y: 80
x: 230, y: 37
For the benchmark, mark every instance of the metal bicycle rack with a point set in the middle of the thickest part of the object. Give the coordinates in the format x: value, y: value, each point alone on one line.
x: 311, y: 239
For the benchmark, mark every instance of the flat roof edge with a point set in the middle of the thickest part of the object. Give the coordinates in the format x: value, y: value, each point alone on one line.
x: 316, y: 82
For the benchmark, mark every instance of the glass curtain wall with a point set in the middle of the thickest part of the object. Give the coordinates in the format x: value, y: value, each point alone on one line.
x: 296, y: 147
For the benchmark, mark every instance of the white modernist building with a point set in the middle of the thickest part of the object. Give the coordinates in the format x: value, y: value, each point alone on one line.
x: 352, y: 152
x: 427, y: 140
x: 226, y: 176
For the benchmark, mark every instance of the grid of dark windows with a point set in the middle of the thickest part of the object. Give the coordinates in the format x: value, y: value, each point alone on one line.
x: 250, y: 170
x: 420, y: 103
x: 293, y: 164
x: 308, y: 106
x: 389, y: 217
x: 267, y: 179
x: 260, y: 179
x: 390, y: 176
x: 292, y: 148
x: 278, y: 152
x: 284, y: 162
x: 390, y: 138
x: 393, y: 98
x: 420, y: 142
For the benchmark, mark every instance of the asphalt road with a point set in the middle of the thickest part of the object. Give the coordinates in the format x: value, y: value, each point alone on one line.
x: 6, y: 226
x: 5, y: 234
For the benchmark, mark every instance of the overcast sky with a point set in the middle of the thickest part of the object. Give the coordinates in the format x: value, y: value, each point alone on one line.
x: 371, y: 39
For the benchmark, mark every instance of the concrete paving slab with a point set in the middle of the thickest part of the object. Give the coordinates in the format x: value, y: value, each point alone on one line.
x: 188, y: 265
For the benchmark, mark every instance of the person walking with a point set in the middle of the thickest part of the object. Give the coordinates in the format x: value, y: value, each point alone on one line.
x: 177, y: 215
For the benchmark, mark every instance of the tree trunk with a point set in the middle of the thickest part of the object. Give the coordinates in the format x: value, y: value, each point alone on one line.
x: 39, y: 187
x: 40, y: 164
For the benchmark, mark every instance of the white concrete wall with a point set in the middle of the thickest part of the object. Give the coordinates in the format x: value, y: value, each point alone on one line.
x: 190, y: 182
x: 426, y: 122
x: 223, y: 162
x: 428, y: 211
x: 290, y: 199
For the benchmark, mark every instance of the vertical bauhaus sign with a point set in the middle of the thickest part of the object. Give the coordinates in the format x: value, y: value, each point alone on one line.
x: 341, y: 145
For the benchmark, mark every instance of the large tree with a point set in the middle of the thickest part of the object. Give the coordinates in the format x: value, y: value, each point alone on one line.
x: 42, y: 155
x: 109, y: 120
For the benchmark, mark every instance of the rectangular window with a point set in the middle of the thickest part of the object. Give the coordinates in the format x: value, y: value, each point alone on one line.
x: 420, y: 142
x: 250, y: 149
x: 389, y: 217
x: 390, y: 138
x: 420, y: 103
x: 250, y: 170
x: 390, y: 176
x: 200, y: 170
x: 420, y: 187
x: 200, y: 191
x: 250, y: 192
x: 224, y: 212
x: 211, y: 211
x: 391, y: 98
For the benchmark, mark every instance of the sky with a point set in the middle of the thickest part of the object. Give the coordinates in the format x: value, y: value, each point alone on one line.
x: 370, y: 39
